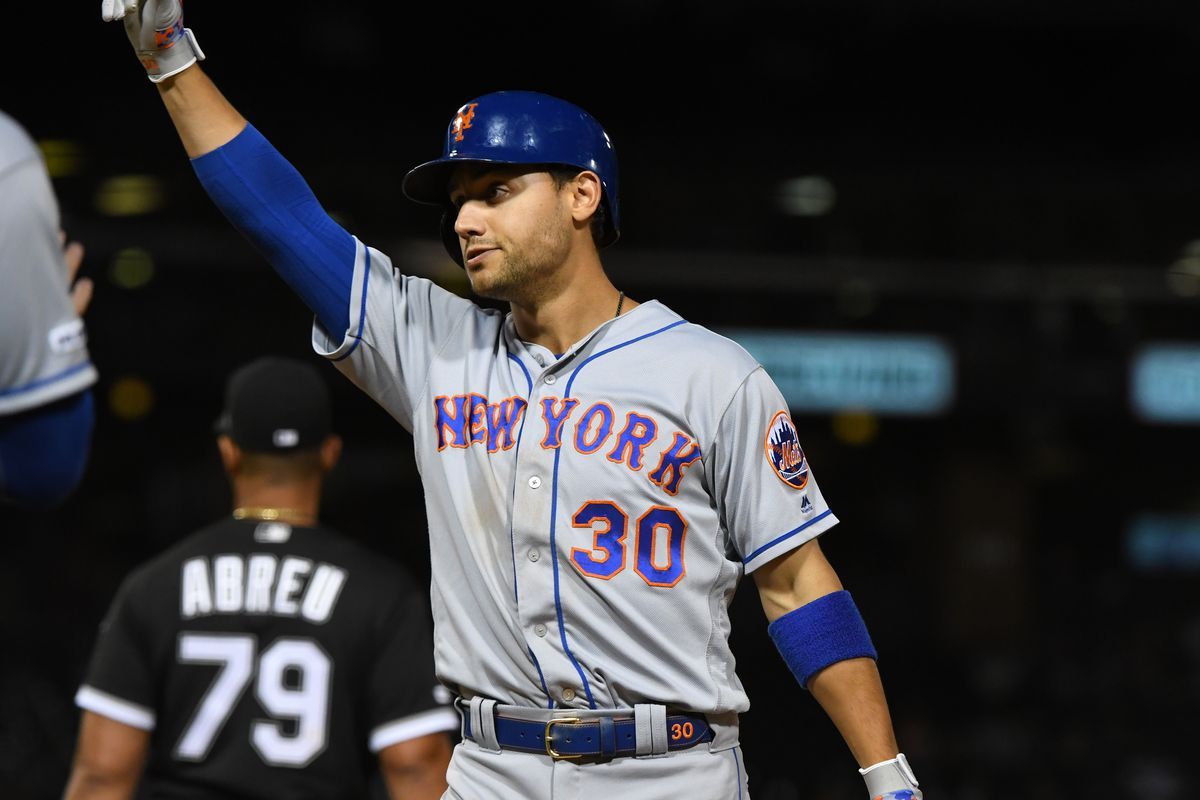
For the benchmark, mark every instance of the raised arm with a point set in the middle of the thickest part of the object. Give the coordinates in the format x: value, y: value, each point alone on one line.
x: 169, y: 52
x: 204, y: 119
x: 824, y: 641
x: 254, y: 186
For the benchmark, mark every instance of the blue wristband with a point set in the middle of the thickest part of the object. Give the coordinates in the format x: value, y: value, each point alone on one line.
x: 820, y: 633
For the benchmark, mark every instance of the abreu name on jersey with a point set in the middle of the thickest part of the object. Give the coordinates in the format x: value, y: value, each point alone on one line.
x: 260, y: 583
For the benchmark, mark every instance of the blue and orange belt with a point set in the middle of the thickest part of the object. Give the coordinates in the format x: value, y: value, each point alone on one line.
x: 597, y: 738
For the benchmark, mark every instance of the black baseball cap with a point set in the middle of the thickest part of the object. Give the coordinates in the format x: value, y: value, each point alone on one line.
x: 275, y: 405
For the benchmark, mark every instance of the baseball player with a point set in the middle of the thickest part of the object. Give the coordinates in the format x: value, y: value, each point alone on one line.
x: 46, y: 411
x: 265, y: 656
x: 599, y: 473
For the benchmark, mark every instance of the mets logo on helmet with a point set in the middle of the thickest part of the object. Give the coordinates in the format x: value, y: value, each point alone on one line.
x: 462, y: 120
x: 783, y: 452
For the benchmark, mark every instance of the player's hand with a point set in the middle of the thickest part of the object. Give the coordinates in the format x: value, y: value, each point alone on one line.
x: 903, y: 794
x: 81, y: 289
x: 155, y: 29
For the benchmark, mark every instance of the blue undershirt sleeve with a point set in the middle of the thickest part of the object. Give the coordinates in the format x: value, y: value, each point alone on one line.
x: 44, y: 451
x: 266, y: 199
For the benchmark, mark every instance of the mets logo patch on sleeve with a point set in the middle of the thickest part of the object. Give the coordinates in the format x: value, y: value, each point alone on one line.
x: 783, y: 452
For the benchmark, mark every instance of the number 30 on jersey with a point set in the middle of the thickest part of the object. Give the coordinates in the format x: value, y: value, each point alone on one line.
x: 659, y: 535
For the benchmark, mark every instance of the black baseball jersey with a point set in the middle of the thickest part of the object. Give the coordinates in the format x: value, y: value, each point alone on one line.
x: 268, y: 661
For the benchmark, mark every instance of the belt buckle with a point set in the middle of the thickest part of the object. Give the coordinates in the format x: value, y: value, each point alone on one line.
x: 550, y: 751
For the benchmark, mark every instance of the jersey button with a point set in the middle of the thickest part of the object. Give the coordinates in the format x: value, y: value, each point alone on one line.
x: 539, y: 629
x: 534, y: 555
x: 535, y: 482
x: 568, y: 694
x: 550, y: 379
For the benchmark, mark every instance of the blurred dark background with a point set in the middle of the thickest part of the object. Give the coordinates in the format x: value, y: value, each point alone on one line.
x: 1018, y: 180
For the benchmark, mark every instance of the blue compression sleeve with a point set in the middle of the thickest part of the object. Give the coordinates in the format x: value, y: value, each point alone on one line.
x: 43, y: 451
x: 820, y: 633
x: 267, y: 200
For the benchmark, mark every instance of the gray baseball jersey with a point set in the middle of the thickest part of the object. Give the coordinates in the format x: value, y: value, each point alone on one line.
x: 590, y: 514
x: 43, y: 345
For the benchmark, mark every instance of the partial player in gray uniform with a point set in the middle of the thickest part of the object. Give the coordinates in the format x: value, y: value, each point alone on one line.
x: 45, y: 372
x: 600, y: 473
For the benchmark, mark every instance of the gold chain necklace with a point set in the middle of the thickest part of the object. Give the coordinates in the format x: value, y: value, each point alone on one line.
x: 270, y: 514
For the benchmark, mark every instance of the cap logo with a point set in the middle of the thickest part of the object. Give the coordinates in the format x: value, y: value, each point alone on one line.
x: 783, y: 452
x: 286, y: 437
x: 462, y: 120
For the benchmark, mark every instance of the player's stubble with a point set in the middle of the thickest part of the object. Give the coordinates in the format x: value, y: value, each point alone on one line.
x: 525, y: 272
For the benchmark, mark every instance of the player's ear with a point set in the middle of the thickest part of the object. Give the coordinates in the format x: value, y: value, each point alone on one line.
x: 331, y: 451
x: 585, y: 192
x: 231, y: 454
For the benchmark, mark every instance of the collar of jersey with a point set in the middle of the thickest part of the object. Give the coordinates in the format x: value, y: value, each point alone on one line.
x: 646, y: 317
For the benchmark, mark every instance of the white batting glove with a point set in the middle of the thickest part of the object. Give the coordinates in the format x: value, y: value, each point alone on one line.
x: 155, y: 28
x: 892, y: 780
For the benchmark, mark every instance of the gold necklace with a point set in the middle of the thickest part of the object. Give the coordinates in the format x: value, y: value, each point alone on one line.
x: 270, y: 514
x: 620, y: 300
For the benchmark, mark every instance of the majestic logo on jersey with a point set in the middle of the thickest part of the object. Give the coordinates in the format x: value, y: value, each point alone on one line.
x: 784, y: 453
x: 463, y: 420
x: 462, y: 120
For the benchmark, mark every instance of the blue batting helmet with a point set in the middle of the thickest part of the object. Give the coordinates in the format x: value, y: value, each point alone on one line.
x: 516, y: 127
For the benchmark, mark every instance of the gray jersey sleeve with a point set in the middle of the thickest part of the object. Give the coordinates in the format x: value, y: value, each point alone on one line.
x: 43, y: 345
x: 767, y: 495
x: 398, y: 324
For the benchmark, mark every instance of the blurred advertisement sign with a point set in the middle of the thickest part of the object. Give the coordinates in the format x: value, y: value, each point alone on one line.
x: 1163, y: 542
x: 1165, y: 384
x: 902, y: 375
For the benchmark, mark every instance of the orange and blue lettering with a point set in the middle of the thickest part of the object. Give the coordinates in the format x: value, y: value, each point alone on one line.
x: 450, y: 417
x: 682, y: 453
x: 669, y: 523
x: 660, y: 537
x: 466, y: 419
x: 502, y: 419
x: 682, y: 731
x: 477, y: 417
x: 587, y: 441
x: 606, y: 556
x: 632, y: 441
x: 555, y: 413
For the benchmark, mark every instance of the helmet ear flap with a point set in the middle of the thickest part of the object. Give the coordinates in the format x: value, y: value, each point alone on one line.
x: 450, y: 236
